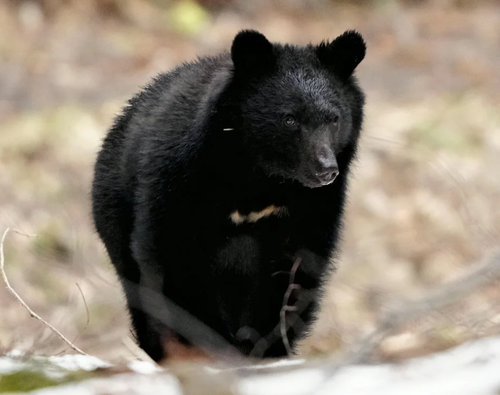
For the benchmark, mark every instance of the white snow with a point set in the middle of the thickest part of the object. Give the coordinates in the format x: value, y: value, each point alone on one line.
x: 473, y: 368
x: 470, y: 369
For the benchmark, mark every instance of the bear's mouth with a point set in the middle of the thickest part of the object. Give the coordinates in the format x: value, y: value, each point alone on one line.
x: 317, y: 180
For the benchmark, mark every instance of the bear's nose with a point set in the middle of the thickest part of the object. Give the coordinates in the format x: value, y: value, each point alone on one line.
x: 328, y: 175
x: 325, y: 167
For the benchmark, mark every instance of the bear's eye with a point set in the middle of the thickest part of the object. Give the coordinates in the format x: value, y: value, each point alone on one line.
x: 335, y: 120
x: 290, y: 121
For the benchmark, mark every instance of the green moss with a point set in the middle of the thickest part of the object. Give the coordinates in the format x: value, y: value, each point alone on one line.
x: 30, y: 380
x: 24, y: 381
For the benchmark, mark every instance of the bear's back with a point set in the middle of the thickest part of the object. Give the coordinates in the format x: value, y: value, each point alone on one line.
x: 160, y: 119
x: 172, y: 100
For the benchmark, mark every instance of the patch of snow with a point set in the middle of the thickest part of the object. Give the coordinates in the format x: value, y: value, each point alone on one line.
x: 256, y: 367
x: 299, y: 382
x: 127, y: 383
x: 70, y: 389
x: 75, y: 362
x: 144, y: 367
x: 9, y: 365
x: 281, y: 363
x: 15, y: 353
x: 472, y: 368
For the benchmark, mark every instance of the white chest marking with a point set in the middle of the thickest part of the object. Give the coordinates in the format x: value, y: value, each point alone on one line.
x: 254, y: 216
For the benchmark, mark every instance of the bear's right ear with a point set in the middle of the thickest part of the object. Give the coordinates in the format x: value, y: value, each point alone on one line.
x: 252, y: 53
x: 343, y: 54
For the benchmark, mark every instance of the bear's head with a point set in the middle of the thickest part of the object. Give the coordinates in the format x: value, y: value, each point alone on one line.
x: 296, y: 109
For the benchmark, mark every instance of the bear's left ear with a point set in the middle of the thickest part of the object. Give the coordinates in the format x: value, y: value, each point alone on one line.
x: 343, y: 54
x: 252, y: 53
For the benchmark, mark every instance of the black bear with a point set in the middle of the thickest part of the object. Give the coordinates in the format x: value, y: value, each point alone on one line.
x: 219, y: 193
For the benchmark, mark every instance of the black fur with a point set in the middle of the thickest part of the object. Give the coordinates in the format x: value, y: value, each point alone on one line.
x: 265, y: 125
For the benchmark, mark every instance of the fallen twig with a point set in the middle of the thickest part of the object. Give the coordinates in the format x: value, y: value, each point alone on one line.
x: 285, y: 308
x: 86, y: 323
x: 23, y: 303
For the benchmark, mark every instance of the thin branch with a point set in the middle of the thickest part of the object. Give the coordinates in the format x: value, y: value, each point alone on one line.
x: 281, y: 329
x: 23, y: 303
x: 86, y: 306
x: 86, y: 323
x: 291, y: 287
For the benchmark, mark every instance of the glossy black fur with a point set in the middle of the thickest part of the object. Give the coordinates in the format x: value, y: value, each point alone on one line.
x: 208, y: 139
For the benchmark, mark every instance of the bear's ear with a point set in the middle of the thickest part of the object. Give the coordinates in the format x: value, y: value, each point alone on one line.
x: 252, y: 53
x: 343, y: 54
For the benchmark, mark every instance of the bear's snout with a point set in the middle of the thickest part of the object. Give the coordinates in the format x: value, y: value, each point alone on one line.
x: 324, y: 168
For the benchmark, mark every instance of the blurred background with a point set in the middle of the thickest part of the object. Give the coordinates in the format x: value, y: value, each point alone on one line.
x: 424, y: 199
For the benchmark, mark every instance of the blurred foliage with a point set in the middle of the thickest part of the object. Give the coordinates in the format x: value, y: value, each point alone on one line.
x: 438, y: 131
x: 188, y: 16
x: 120, y: 7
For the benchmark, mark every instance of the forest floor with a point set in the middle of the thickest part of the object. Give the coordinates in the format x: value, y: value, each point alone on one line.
x: 423, y: 202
